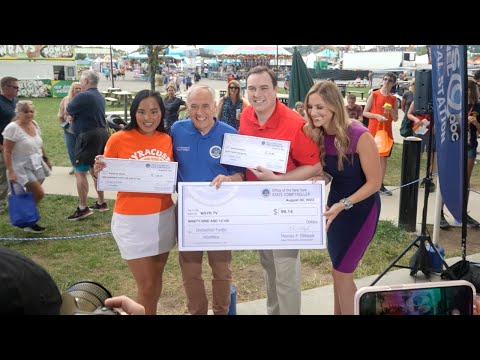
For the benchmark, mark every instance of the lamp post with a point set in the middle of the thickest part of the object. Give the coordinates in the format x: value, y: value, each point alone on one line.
x: 111, y: 66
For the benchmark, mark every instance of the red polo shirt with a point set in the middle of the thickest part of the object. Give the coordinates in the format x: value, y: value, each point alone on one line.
x: 283, y: 124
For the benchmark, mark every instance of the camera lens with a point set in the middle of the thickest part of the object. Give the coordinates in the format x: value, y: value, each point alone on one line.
x: 89, y: 295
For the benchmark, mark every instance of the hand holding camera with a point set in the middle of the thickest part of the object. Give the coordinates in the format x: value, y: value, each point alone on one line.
x: 86, y: 298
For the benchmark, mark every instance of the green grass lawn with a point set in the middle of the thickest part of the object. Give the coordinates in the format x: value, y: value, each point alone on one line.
x: 97, y: 258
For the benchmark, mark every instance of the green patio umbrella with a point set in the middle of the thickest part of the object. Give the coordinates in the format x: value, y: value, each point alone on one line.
x: 300, y: 82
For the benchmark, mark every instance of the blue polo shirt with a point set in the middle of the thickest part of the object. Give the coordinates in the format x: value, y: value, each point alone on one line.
x: 88, y: 110
x: 7, y: 113
x: 198, y: 155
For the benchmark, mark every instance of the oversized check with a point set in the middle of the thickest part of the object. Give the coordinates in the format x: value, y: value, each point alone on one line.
x: 251, y: 215
x: 252, y: 151
x: 130, y: 175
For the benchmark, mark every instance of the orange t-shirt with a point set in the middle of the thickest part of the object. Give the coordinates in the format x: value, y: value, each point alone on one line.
x: 377, y: 108
x: 131, y: 144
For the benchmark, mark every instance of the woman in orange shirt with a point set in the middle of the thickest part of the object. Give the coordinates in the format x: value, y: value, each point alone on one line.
x: 143, y: 224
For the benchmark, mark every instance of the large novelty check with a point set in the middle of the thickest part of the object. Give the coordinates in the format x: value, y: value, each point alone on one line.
x: 252, y: 151
x: 251, y: 215
x: 130, y: 175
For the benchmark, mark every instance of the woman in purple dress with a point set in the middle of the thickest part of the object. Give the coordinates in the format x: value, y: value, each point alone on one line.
x: 349, y: 154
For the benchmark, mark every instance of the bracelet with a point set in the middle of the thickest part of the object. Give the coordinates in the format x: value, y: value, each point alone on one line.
x: 94, y: 176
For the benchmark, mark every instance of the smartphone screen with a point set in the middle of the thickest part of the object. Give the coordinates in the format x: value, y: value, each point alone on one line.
x: 444, y: 300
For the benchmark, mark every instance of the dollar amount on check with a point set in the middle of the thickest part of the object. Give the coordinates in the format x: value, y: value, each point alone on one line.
x: 138, y: 176
x: 251, y: 215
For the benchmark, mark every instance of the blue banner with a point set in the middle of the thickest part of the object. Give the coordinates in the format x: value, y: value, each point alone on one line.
x: 448, y: 92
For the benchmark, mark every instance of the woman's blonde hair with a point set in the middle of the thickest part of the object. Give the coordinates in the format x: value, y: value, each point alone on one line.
x: 24, y: 104
x: 334, y: 100
x: 70, y: 91
x: 237, y: 84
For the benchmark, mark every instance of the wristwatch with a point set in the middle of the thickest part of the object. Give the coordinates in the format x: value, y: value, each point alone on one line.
x: 347, y: 203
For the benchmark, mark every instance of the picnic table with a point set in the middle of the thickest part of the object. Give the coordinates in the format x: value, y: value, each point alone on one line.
x: 355, y: 92
x: 125, y: 95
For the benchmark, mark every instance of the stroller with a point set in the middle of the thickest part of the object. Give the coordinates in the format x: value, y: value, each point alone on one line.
x: 115, y: 122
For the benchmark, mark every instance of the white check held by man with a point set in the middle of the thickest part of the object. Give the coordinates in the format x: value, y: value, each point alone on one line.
x: 251, y: 151
x: 251, y: 215
x: 130, y: 175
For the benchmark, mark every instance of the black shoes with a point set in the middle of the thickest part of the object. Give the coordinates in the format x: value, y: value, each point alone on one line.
x: 432, y: 186
x: 34, y: 229
x: 385, y: 191
x: 472, y: 222
x: 443, y: 222
x: 80, y: 214
x: 99, y: 207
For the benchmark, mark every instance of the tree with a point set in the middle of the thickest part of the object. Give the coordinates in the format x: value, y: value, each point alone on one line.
x: 153, y: 52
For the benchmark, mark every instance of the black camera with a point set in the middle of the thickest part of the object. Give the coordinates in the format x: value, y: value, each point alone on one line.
x: 86, y: 298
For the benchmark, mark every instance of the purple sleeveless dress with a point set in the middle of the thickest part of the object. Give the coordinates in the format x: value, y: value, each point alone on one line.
x: 353, y: 229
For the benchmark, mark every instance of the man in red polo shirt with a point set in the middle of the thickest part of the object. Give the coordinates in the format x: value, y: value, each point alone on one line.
x: 268, y: 118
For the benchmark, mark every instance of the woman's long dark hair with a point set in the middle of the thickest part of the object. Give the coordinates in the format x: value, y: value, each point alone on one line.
x: 141, y: 95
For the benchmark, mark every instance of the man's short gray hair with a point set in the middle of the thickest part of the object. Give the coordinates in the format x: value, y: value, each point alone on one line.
x: 91, y: 76
x: 198, y: 87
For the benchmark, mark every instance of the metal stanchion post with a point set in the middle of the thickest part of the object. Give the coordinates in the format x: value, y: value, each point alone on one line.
x: 407, y: 212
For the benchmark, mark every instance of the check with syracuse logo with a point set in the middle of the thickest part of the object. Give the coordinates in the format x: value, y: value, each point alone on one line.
x: 252, y: 151
x: 130, y: 175
x: 251, y: 215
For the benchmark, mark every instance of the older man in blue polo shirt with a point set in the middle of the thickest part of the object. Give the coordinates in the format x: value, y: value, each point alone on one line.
x: 197, y: 144
x: 8, y: 101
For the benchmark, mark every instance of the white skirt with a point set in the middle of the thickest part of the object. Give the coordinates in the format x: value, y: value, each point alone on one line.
x: 140, y: 236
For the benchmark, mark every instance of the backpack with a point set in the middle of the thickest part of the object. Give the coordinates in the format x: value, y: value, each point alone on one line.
x: 464, y: 270
x: 421, y: 261
x: 406, y: 127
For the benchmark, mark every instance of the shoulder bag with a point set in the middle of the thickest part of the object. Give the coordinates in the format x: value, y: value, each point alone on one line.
x: 22, y: 207
x: 383, y: 141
